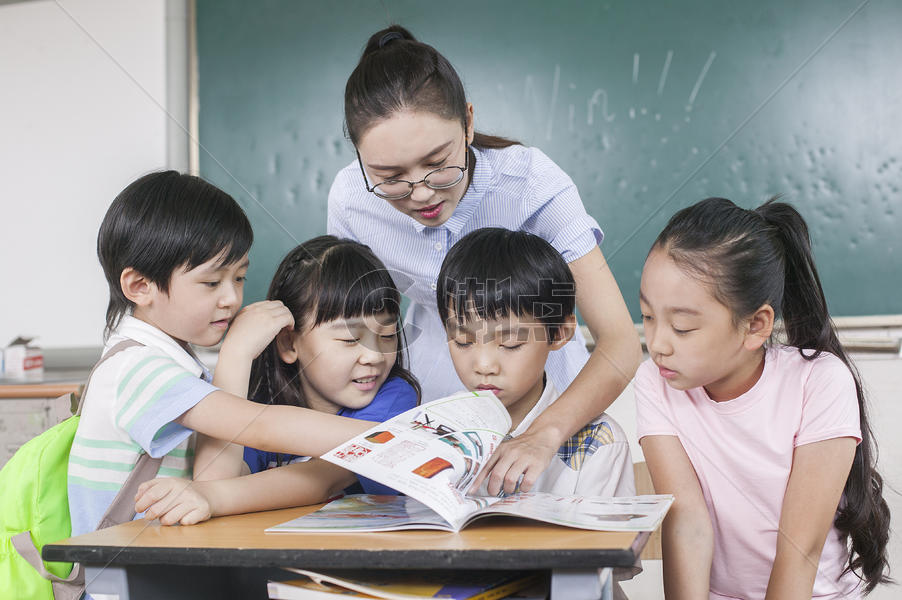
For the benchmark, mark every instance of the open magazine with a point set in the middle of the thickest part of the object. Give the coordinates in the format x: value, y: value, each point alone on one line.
x: 432, y: 453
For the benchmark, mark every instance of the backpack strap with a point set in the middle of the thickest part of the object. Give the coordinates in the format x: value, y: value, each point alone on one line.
x: 64, y: 588
x: 122, y: 508
x: 124, y: 344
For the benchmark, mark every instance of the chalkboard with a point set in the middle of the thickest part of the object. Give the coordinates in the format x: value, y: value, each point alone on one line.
x: 648, y: 105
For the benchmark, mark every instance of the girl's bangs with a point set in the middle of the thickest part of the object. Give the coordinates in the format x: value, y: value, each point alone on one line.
x: 355, y: 288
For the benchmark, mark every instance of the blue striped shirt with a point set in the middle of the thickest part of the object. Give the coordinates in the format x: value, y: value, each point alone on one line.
x: 131, y: 407
x: 518, y: 188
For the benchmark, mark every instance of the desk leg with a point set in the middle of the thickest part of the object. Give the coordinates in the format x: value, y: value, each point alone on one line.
x: 580, y: 584
x: 106, y: 583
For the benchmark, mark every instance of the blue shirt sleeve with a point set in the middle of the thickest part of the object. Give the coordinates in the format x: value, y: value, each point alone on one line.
x: 394, y: 397
x: 148, y: 410
x: 557, y: 211
x: 256, y: 460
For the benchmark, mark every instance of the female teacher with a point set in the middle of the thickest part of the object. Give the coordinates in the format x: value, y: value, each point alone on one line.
x: 423, y: 179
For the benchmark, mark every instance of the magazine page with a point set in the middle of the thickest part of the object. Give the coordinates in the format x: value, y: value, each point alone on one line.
x: 432, y: 452
x: 621, y: 513
x: 415, y: 585
x: 366, y: 512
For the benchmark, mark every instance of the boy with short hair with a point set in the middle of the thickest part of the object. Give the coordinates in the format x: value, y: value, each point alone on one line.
x: 174, y: 250
x: 507, y: 300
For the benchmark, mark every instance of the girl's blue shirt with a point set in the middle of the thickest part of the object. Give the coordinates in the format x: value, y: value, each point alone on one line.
x: 394, y: 397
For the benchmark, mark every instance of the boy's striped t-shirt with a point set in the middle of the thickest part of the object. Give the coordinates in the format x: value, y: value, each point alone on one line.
x: 131, y: 406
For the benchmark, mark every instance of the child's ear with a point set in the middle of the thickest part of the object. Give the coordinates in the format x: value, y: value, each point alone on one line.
x: 564, y: 333
x: 760, y: 326
x: 136, y: 287
x: 285, y: 346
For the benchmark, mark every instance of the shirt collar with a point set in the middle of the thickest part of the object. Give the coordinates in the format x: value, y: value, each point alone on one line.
x: 549, y: 395
x: 479, y: 184
x: 145, y: 333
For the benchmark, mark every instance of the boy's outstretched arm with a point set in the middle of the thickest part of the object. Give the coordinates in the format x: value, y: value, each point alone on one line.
x: 181, y: 501
x: 251, y: 331
x: 287, y: 429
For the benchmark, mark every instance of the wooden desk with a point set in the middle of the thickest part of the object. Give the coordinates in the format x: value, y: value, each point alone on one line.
x: 233, y: 557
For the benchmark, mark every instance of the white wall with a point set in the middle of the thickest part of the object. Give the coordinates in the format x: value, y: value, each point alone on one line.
x: 82, y: 83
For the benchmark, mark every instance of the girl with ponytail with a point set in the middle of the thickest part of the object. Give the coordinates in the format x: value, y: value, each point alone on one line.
x: 765, y: 445
x: 423, y: 178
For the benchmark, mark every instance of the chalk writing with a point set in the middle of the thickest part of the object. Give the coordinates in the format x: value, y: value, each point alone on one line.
x: 597, y: 95
x: 663, y: 78
x: 701, y: 77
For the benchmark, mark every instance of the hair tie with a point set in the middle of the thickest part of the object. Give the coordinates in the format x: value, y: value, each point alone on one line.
x: 391, y: 35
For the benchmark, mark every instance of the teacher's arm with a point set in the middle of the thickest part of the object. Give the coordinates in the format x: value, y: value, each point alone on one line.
x: 609, y: 369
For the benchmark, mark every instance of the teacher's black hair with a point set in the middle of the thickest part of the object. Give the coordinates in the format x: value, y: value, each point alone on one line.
x: 749, y: 258
x: 163, y: 222
x: 494, y: 272
x: 323, y: 279
x: 396, y: 73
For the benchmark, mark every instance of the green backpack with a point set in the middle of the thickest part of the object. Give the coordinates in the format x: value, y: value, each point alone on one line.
x: 34, y: 510
x: 35, y: 501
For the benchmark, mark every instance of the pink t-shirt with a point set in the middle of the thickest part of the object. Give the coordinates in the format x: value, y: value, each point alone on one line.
x: 742, y: 450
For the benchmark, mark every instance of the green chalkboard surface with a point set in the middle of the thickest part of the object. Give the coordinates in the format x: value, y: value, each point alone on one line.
x: 648, y: 105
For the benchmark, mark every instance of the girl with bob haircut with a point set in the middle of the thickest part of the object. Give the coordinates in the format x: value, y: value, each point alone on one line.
x: 423, y: 179
x: 332, y: 288
x: 765, y: 445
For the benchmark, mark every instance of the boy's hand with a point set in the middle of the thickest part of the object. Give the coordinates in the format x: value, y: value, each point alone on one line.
x: 255, y: 327
x: 516, y: 464
x: 173, y: 501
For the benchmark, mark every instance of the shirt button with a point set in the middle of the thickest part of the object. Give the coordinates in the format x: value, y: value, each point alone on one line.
x: 433, y: 287
x: 438, y: 245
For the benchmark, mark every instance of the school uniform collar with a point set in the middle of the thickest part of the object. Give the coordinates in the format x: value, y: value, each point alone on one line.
x: 549, y: 395
x: 145, y: 333
x: 479, y: 184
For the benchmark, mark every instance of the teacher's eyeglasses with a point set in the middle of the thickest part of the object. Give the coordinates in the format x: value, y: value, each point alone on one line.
x: 439, y: 179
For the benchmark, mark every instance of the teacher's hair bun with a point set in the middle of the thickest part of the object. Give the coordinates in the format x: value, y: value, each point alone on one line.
x: 386, y: 36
